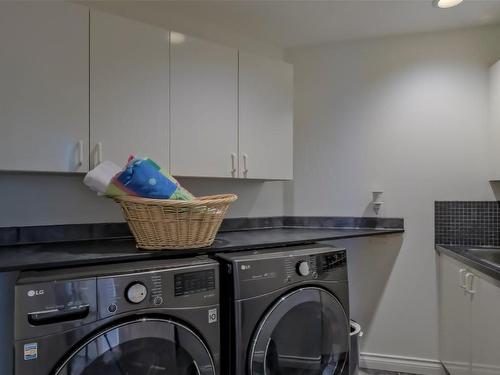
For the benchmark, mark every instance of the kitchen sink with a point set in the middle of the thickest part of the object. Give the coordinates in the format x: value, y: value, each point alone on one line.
x: 490, y: 255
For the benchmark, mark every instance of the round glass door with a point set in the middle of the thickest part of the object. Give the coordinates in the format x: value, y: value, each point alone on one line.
x: 141, y: 347
x: 305, y: 333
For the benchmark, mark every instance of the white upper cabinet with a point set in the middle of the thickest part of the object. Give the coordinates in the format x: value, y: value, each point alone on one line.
x: 204, y: 113
x: 265, y: 118
x: 494, y: 122
x: 129, y: 90
x: 44, y: 90
x: 78, y: 88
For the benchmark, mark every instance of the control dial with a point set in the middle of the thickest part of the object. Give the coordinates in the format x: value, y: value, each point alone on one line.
x: 303, y: 268
x: 136, y: 293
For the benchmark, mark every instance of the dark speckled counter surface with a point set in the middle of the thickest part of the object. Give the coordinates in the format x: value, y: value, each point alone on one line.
x: 67, y: 254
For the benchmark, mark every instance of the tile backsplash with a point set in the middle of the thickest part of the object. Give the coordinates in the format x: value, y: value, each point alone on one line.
x: 468, y: 223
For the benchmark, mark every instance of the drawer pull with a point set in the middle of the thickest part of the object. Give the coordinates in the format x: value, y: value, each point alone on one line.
x: 462, y: 278
x: 469, y: 282
x: 80, y: 153
x: 233, y: 164
x: 66, y: 314
x: 245, y: 168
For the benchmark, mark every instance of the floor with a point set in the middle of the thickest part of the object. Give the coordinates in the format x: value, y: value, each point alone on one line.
x: 380, y: 372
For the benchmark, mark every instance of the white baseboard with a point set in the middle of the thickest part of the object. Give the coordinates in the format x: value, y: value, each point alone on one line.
x: 395, y: 363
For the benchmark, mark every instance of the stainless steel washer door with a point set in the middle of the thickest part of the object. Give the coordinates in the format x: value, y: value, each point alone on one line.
x: 141, y: 347
x: 305, y: 333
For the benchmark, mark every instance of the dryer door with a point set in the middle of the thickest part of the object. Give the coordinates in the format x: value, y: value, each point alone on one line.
x: 306, y: 332
x: 143, y: 346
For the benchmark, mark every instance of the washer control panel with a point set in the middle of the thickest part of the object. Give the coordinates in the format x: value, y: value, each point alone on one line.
x: 156, y: 289
x: 54, y: 301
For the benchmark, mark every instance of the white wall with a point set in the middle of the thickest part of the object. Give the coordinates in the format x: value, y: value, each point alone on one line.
x: 407, y: 115
x: 44, y: 199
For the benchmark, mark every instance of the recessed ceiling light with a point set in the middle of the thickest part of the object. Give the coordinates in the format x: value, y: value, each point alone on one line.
x: 445, y: 4
x: 177, y: 38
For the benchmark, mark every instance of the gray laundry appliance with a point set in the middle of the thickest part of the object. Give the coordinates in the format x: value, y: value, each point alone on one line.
x: 142, y: 318
x: 285, y: 311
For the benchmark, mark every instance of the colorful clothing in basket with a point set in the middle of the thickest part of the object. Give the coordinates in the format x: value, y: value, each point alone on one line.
x: 142, y: 177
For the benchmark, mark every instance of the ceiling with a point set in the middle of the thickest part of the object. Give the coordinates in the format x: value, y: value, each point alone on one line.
x: 292, y: 23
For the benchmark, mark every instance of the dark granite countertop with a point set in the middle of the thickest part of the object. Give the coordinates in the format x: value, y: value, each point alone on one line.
x: 461, y: 254
x: 66, y: 254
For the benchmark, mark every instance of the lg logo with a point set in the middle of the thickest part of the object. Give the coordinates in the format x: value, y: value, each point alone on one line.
x: 32, y: 293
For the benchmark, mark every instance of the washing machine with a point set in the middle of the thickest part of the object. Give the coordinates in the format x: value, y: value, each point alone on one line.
x: 285, y: 311
x: 142, y: 318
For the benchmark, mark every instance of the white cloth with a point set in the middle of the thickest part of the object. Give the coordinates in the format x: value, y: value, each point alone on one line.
x: 99, y: 178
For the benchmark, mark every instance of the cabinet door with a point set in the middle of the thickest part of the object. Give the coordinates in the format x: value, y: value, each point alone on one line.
x: 486, y: 326
x: 494, y: 122
x: 44, y: 86
x: 265, y: 118
x: 129, y: 90
x: 455, y: 318
x: 204, y: 120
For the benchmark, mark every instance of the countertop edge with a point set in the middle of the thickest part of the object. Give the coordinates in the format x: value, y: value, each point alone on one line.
x: 363, y: 232
x: 457, y: 253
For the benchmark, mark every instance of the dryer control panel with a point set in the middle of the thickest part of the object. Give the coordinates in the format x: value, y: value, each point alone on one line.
x: 319, y: 266
x: 258, y: 272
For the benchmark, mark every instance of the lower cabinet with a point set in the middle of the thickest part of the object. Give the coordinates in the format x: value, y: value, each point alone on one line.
x: 469, y: 327
x: 485, y: 340
x: 455, y: 317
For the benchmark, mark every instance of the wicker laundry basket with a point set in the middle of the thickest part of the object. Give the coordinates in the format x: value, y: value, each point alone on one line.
x: 159, y: 224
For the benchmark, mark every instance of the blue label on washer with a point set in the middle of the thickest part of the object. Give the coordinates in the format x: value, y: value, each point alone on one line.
x: 30, y: 351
